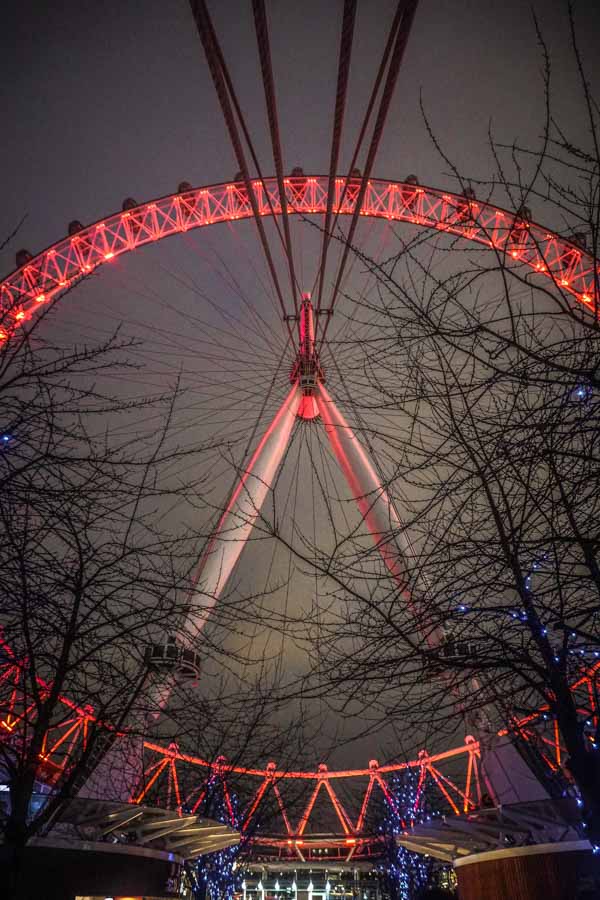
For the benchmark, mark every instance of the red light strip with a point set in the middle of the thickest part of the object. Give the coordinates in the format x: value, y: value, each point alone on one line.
x: 468, y: 782
x: 363, y: 810
x: 438, y: 780
x: 284, y: 814
x: 201, y: 797
x: 306, y: 814
x: 314, y: 775
x: 159, y: 768
x: 450, y: 784
x: 175, y: 781
x: 255, y: 803
x: 339, y: 809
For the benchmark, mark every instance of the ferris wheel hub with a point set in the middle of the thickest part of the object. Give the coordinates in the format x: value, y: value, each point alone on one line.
x: 307, y: 371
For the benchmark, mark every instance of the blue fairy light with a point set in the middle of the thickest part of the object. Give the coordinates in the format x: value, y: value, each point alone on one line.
x: 406, y: 872
x: 581, y: 392
x: 222, y: 879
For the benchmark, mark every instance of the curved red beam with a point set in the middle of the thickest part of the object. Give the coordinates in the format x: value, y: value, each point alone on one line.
x: 52, y: 271
x: 322, y: 773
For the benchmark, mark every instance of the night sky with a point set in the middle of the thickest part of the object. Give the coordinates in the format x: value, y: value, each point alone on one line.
x: 103, y: 100
x: 106, y: 100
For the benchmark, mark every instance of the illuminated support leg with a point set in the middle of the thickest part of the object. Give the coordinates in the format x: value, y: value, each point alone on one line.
x: 233, y: 530
x: 372, y: 500
x: 122, y: 767
x: 237, y: 521
x: 508, y: 779
x: 229, y: 537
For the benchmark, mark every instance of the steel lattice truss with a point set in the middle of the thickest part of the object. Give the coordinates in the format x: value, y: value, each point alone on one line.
x: 177, y: 780
x: 528, y: 245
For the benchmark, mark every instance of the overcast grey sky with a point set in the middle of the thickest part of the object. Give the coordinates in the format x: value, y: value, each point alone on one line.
x: 103, y: 100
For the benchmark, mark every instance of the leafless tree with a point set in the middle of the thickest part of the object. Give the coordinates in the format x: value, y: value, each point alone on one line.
x: 477, y: 391
x: 92, y: 574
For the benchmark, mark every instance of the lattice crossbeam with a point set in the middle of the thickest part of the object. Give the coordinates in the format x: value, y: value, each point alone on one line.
x: 526, y: 244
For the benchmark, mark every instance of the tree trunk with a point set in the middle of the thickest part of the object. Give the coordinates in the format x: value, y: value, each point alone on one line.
x: 13, y: 855
x: 585, y: 768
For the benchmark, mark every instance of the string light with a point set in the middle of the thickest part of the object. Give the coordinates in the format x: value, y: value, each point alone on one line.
x: 406, y: 872
x: 218, y: 874
x: 582, y: 392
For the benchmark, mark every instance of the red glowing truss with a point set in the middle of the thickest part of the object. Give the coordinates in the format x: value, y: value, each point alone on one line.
x: 179, y: 780
x: 526, y: 244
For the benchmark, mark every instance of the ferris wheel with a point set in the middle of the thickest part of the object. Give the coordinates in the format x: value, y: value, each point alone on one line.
x: 299, y: 386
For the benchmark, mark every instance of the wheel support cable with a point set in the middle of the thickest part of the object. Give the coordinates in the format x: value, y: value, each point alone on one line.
x: 407, y: 11
x: 264, y: 49
x: 216, y: 64
x: 248, y: 139
x: 367, y: 118
x: 345, y: 55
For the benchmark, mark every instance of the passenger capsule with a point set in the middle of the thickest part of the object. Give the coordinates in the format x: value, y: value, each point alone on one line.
x: 353, y: 187
x: 464, y: 210
x: 298, y: 184
x: 22, y: 257
x: 409, y: 195
x: 579, y: 238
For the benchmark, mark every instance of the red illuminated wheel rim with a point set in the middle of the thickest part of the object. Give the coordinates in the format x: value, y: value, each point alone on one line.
x: 49, y: 273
